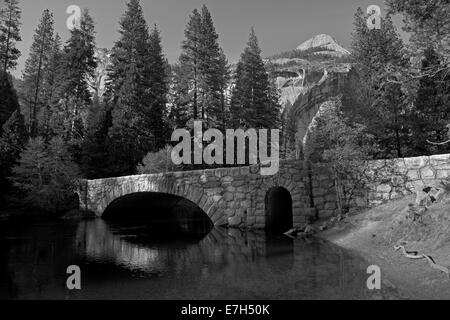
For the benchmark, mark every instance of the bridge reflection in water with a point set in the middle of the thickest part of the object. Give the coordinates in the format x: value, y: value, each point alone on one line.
x: 226, y: 264
x: 117, y: 262
x: 127, y: 246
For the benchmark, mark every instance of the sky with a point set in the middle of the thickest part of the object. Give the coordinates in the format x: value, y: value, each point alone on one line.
x: 280, y: 25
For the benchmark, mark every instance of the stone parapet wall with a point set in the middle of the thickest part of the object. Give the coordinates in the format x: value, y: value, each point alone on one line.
x: 236, y: 197
x: 388, y: 180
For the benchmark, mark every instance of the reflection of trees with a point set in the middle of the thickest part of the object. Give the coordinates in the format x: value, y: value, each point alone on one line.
x: 219, y: 248
x: 38, y: 254
x: 227, y: 264
x: 275, y: 265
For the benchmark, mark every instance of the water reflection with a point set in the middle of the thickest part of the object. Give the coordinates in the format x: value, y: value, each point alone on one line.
x: 117, y: 263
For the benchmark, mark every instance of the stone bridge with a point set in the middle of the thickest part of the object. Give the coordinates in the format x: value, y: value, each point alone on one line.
x: 234, y: 197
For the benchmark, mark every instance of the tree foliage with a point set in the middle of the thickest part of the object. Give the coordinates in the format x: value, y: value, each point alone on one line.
x: 158, y: 162
x: 344, y: 146
x: 254, y: 100
x: 37, y: 68
x: 10, y: 15
x: 369, y: 98
x: 130, y: 92
x: 8, y: 98
x: 47, y: 174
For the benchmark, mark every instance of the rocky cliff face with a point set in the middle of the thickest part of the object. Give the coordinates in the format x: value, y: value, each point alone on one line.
x: 307, y: 66
x: 326, y: 45
x: 98, y: 82
x: 307, y: 77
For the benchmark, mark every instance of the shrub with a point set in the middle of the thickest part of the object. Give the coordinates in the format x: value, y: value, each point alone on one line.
x: 158, y: 162
x: 345, y: 147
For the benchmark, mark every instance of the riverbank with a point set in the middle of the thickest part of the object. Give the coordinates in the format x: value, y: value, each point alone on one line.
x: 374, y: 233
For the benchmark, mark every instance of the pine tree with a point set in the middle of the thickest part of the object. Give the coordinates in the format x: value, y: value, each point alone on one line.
x: 179, y: 101
x: 158, y: 86
x: 36, y: 69
x: 79, y: 65
x: 8, y: 98
x: 130, y: 92
x: 51, y: 92
x: 204, y: 68
x: 190, y: 59
x: 10, y: 15
x: 371, y: 99
x: 214, y: 73
x: 254, y: 102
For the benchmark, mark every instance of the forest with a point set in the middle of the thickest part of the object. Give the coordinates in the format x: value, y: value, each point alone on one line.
x: 55, y: 128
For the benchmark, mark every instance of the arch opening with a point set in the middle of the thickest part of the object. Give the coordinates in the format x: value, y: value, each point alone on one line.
x: 158, y: 215
x: 279, y: 215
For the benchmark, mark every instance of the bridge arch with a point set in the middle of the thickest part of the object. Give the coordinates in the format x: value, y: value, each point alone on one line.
x: 279, y: 210
x: 164, y: 214
x: 99, y: 194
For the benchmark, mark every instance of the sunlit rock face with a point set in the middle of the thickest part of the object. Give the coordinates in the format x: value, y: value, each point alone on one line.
x: 324, y: 41
x: 306, y: 77
x: 98, y: 82
x: 307, y: 66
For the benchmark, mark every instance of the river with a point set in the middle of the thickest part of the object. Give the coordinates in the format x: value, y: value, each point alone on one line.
x: 118, y: 261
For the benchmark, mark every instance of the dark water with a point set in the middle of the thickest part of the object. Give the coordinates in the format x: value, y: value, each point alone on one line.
x: 117, y: 261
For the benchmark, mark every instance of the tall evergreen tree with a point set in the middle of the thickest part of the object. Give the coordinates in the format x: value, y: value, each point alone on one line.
x: 52, y: 91
x: 158, y: 86
x: 10, y: 15
x: 36, y: 68
x: 214, y: 73
x: 204, y: 69
x: 79, y: 65
x: 130, y: 92
x: 254, y: 102
x: 371, y: 99
x: 190, y: 59
x: 179, y: 101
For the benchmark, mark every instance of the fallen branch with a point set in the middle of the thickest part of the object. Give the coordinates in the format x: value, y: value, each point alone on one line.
x: 417, y: 256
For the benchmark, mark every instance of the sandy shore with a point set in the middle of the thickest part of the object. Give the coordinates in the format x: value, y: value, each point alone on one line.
x: 373, y: 235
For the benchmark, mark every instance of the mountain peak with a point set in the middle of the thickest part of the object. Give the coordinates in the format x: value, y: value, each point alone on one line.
x: 325, y: 41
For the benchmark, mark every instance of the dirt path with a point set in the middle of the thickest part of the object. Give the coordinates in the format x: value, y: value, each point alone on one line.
x: 373, y: 235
